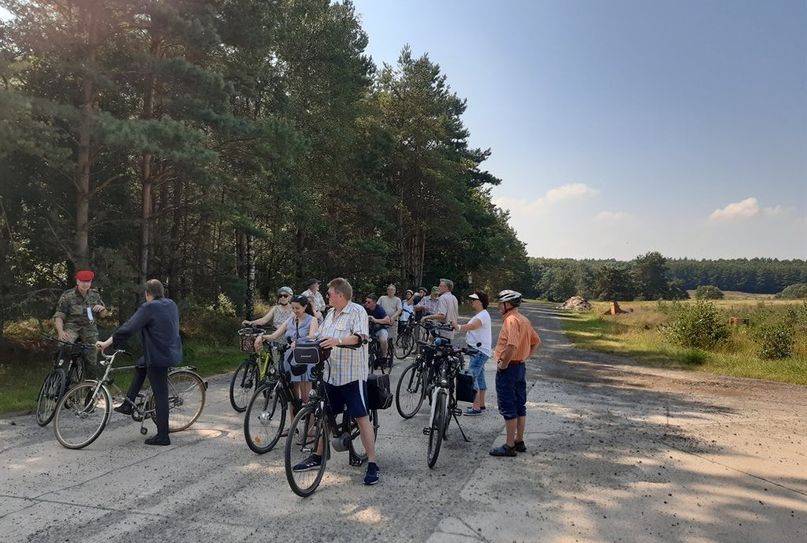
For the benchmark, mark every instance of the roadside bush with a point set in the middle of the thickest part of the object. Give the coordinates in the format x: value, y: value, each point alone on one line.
x: 708, y: 292
x: 794, y: 292
x: 775, y: 340
x: 698, y: 325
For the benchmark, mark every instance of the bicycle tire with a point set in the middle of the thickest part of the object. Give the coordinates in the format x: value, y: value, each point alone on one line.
x: 73, y: 410
x: 359, y: 453
x: 411, y: 383
x: 241, y: 384
x: 438, y: 427
x: 186, y: 399
x: 400, y: 345
x: 265, y: 418
x: 49, y: 395
x: 299, y: 445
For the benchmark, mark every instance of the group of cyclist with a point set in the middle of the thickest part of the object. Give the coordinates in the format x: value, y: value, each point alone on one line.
x: 340, y: 323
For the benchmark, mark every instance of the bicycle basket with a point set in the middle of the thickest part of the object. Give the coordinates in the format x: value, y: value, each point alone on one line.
x: 248, y: 342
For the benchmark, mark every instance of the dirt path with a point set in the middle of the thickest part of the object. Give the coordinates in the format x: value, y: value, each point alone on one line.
x: 617, y: 452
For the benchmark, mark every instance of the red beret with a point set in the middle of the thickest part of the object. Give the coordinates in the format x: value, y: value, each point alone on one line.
x: 85, y: 275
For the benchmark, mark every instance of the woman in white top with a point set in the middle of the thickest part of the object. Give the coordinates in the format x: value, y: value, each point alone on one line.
x: 478, y: 336
x: 278, y: 314
x: 407, y: 309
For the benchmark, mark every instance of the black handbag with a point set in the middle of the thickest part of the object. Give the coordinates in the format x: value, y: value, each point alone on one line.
x: 464, y: 390
x: 307, y: 351
x: 379, y: 394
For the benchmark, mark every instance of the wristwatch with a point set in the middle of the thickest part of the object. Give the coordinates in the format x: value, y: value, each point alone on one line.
x: 340, y: 341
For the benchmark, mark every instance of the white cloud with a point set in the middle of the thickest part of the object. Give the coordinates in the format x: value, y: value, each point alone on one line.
x: 775, y: 211
x: 611, y: 216
x: 567, y: 192
x: 739, y: 210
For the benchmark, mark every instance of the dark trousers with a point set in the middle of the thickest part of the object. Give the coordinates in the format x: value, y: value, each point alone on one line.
x: 158, y: 377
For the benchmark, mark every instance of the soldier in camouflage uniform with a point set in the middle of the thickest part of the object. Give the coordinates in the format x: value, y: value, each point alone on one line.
x: 75, y: 318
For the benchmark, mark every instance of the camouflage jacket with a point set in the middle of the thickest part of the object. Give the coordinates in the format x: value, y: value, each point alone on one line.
x: 72, y: 309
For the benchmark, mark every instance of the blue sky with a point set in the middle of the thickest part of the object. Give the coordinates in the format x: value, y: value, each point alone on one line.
x: 624, y: 126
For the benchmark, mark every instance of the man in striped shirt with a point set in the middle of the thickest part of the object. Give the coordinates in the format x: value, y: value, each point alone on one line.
x: 346, y: 326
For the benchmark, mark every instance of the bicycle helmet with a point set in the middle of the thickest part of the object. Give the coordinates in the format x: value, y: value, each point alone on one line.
x: 285, y: 290
x: 510, y: 297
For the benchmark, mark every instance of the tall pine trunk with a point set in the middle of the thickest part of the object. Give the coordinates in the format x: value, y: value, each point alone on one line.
x: 146, y: 163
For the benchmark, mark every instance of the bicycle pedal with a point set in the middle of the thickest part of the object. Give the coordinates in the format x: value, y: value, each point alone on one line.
x: 427, y: 431
x: 457, y: 412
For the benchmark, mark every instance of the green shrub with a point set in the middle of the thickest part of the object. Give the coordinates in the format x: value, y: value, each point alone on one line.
x: 708, y: 292
x: 698, y: 325
x: 797, y: 291
x: 775, y: 340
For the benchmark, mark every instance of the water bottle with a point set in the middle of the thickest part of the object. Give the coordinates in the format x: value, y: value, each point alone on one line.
x: 341, y: 443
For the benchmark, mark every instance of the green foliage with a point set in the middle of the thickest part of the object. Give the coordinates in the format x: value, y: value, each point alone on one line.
x: 775, y: 340
x: 708, y: 292
x: 794, y: 292
x: 697, y: 325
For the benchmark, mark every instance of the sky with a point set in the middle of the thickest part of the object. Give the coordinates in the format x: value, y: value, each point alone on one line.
x: 625, y: 126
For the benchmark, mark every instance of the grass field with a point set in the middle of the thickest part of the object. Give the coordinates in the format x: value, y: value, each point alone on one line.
x: 638, y: 334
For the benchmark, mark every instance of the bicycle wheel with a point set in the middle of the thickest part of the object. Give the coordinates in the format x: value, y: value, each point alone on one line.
x: 244, y: 379
x: 265, y: 418
x: 308, y: 429
x: 186, y: 399
x: 400, y: 345
x: 438, y: 427
x: 409, y: 392
x: 358, y: 455
x: 81, y: 415
x: 49, y: 396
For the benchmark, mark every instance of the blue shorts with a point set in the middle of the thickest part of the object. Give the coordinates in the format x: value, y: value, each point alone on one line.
x: 477, y: 369
x: 511, y: 391
x: 353, y: 394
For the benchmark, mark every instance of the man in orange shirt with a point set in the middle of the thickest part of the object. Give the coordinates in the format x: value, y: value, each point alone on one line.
x: 517, y: 342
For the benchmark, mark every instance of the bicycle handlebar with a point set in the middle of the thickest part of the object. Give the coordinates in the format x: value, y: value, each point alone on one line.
x: 79, y: 344
x: 109, y: 359
x: 251, y: 330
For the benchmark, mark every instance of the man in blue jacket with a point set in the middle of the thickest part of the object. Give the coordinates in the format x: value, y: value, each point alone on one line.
x: 157, y: 320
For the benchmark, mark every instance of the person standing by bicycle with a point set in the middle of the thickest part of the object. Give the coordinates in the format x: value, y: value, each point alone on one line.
x: 517, y: 342
x: 393, y: 308
x: 75, y: 318
x: 302, y: 323
x: 478, y: 337
x: 278, y: 314
x: 317, y: 301
x: 447, y: 308
x: 407, y: 309
x: 346, y: 383
x: 157, y: 320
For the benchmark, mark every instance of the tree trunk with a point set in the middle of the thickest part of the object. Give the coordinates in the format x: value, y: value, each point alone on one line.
x: 146, y: 164
x: 81, y: 258
x: 249, y: 302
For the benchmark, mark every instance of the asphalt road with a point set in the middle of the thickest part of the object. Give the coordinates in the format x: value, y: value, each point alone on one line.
x: 617, y: 452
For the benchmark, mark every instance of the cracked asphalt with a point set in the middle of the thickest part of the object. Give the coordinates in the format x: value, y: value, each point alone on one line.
x: 616, y: 452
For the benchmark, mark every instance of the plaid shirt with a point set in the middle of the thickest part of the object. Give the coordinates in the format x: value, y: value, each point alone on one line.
x: 347, y: 365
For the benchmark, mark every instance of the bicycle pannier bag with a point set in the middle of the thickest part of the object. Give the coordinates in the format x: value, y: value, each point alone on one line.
x: 378, y: 391
x: 465, y: 387
x: 308, y: 351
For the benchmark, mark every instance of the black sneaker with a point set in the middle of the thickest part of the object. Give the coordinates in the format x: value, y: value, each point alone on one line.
x: 503, y: 450
x: 372, y: 474
x: 311, y: 463
x: 124, y: 409
x: 158, y: 440
x: 519, y: 446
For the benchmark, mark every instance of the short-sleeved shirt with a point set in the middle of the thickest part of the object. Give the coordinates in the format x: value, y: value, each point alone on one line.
x: 407, y: 310
x: 377, y: 313
x: 391, y: 304
x: 480, y: 335
x: 517, y: 331
x: 281, y: 314
x: 347, y: 365
x: 72, y: 309
x: 429, y: 304
x: 317, y: 301
x: 447, y: 305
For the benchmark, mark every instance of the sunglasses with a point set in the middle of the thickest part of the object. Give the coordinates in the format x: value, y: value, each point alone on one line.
x: 283, y: 296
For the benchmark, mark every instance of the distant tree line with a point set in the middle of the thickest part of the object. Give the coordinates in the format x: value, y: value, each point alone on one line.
x: 652, y: 277
x: 230, y: 147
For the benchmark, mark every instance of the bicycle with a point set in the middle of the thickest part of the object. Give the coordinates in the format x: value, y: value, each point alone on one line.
x: 68, y: 369
x: 309, y: 430
x: 440, y: 385
x: 411, y: 390
x: 253, y: 371
x: 375, y: 358
x: 407, y: 338
x: 84, y: 410
x: 265, y: 417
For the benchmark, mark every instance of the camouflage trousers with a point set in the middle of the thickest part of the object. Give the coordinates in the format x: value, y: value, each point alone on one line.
x: 92, y: 370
